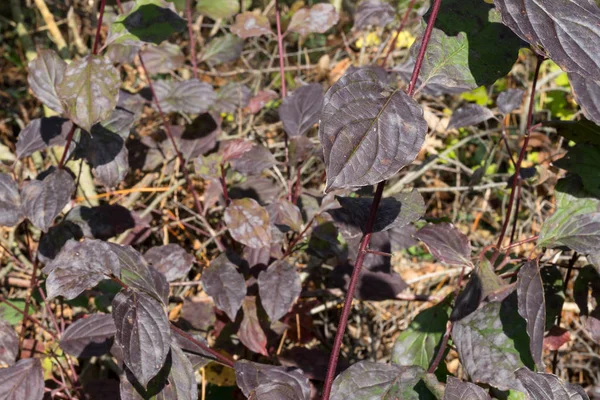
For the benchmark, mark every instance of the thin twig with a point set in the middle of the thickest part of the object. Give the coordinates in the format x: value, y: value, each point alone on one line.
x: 188, y: 14
x: 400, y: 28
x: 218, y: 356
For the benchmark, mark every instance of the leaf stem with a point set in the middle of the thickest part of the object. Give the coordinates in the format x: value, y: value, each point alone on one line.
x: 400, y: 28
x: 188, y: 14
x: 520, y: 159
x: 99, y: 27
x: 280, y: 47
x: 364, y: 243
x: 218, y: 356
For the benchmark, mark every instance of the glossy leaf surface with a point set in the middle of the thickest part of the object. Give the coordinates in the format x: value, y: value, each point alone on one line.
x: 46, y: 72
x: 279, y: 287
x: 541, y: 386
x: 532, y: 308
x: 171, y: 260
x: 248, y: 223
x: 89, y: 337
x: 10, y: 201
x: 24, y: 380
x: 446, y: 243
x: 191, y: 96
x: 250, y: 376
x: 222, y: 281
x: 41, y: 133
x: 300, y: 111
x: 250, y: 333
x: 459, y: 390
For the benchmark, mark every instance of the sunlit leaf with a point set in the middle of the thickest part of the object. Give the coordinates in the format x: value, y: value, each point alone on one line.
x: 24, y: 380
x: 80, y: 266
x: 250, y: 333
x: 10, y: 201
x: 587, y: 94
x: 279, y: 287
x: 469, y: 114
x: 541, y: 386
x: 199, y: 313
x: 45, y: 73
x: 254, y: 161
x: 301, y: 110
x: 218, y: 9
x: 509, y: 100
x: 41, y: 133
x: 9, y: 344
x: 248, y: 24
x: 44, y: 200
x: 248, y: 223
x: 373, y: 12
x: 222, y: 281
x: 368, y: 131
x: 163, y: 58
x: 90, y: 336
x: 317, y: 19
x: 250, y: 376
x: 171, y: 260
x: 459, y: 390
x: 143, y: 333
x: 222, y: 49
x: 197, y: 356
x: 446, y: 243
x: 283, y: 212
x: 191, y: 96
x: 107, y: 154
x: 89, y: 90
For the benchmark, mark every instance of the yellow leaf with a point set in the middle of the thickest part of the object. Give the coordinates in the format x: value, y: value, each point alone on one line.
x: 219, y: 375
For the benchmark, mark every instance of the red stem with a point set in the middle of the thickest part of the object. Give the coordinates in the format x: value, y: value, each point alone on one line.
x: 400, y: 28
x: 224, y: 185
x: 364, y: 243
x: 188, y: 14
x: 63, y: 159
x: 100, y: 18
x: 218, y: 356
x: 280, y: 46
x: 520, y: 159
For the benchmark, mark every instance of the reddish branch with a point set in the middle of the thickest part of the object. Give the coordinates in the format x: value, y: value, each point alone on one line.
x: 218, y: 356
x: 364, y: 243
x: 400, y: 28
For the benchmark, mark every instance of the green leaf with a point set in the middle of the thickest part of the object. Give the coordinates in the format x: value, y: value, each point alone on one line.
x: 218, y: 9
x: 222, y: 49
x: 418, y: 344
x: 150, y: 21
x: 89, y: 90
x: 10, y: 315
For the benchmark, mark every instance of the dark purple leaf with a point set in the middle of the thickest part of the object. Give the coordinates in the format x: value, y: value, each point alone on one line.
x: 190, y: 96
x: 541, y: 386
x: 300, y: 149
x: 469, y: 114
x: 250, y: 333
x: 484, y: 283
x: 373, y: 12
x: 587, y: 94
x: 101, y: 222
x: 592, y: 324
x: 233, y: 149
x: 163, y: 58
x: 143, y: 333
x: 263, y: 190
x: 317, y: 19
x: 80, y: 266
x: 199, y: 137
x: 9, y: 344
x: 254, y: 161
x: 24, y: 380
x: 492, y: 344
x: 42, y: 133
x: 231, y: 97
x: 313, y: 362
x: 89, y: 90
x: 368, y: 131
x: 279, y: 287
x: 248, y: 223
x: 53, y: 241
x: 250, y: 376
x: 372, y: 285
x: 282, y: 212
x: 10, y: 201
x: 369, y: 380
x: 568, y: 31
x: 197, y: 356
x: 403, y: 238
x: 248, y: 24
x: 509, y: 100
x: 200, y: 313
x: 459, y: 390
x: 532, y: 308
x: 393, y: 212
x: 44, y: 200
x: 106, y: 153
x: 222, y: 49
x: 446, y: 243
x: 45, y: 73
x: 301, y: 110
x: 171, y: 260
x: 222, y: 281
x: 136, y: 273
x: 89, y: 337
x: 588, y: 279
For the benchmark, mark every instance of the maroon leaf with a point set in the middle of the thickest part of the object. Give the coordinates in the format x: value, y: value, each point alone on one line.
x: 231, y: 97
x: 509, y: 100
x: 368, y: 131
x: 301, y: 110
x: 446, y: 243
x: 171, y: 260
x: 282, y: 212
x: 373, y: 12
x: 143, y: 333
x: 10, y: 201
x: 80, y: 266
x: 248, y: 223
x: 301, y: 148
x: 279, y: 287
x: 248, y: 24
x: 24, y: 380
x: 542, y: 386
x: 250, y: 333
x: 225, y: 285
x: 254, y: 161
x: 469, y: 114
x: 44, y: 200
x: 459, y: 390
x: 233, y: 149
x: 317, y: 19
x: 9, y: 344
x: 190, y: 96
x: 196, y: 354
x: 199, y: 313
x: 587, y: 94
x: 46, y: 72
x: 249, y: 376
x: 41, y: 133
x: 313, y: 362
x: 532, y: 308
x: 556, y: 338
x: 258, y: 102
x: 89, y: 337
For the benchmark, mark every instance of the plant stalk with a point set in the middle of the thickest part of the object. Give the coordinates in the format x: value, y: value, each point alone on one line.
x: 400, y: 28
x: 188, y: 14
